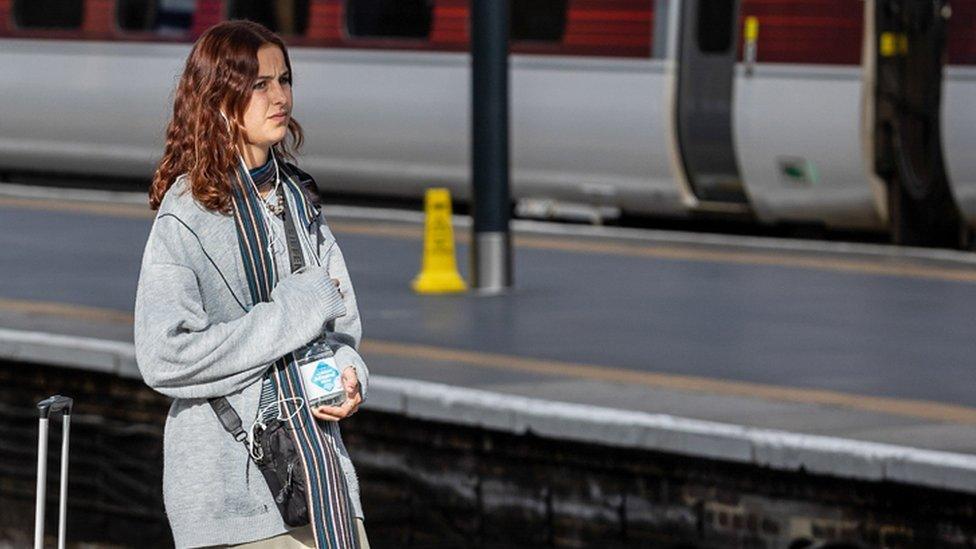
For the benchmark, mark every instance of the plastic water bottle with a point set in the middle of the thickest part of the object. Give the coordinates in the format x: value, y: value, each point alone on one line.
x: 321, y: 376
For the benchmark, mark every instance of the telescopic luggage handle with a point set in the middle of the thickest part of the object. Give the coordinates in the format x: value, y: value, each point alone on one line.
x: 55, y: 404
x: 52, y: 405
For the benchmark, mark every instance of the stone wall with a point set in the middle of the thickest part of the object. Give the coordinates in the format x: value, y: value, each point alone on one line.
x: 431, y: 484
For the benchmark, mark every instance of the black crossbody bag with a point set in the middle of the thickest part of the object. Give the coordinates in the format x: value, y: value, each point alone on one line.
x: 276, y: 457
x: 273, y: 449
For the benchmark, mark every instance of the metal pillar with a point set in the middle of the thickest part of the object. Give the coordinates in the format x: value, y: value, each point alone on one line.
x: 491, y: 255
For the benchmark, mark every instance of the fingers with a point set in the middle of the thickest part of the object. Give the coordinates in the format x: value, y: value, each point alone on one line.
x: 350, y: 379
x: 354, y: 398
x: 344, y: 410
x: 323, y: 413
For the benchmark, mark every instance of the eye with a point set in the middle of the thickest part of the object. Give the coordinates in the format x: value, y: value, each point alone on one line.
x: 260, y: 85
x: 285, y: 80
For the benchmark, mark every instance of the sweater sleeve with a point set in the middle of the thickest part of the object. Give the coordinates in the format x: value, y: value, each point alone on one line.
x: 182, y: 353
x: 347, y: 331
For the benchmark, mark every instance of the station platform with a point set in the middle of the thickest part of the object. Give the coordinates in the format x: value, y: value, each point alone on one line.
x: 852, y: 360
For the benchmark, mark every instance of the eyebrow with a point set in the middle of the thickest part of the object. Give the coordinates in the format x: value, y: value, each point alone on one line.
x: 269, y: 77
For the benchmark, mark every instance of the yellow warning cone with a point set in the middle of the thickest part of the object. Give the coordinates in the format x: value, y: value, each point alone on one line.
x: 438, y: 272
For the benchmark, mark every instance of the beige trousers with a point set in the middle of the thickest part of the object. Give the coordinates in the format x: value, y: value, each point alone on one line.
x: 299, y: 538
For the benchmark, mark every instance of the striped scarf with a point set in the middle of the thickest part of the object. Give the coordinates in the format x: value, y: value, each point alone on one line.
x: 330, y: 508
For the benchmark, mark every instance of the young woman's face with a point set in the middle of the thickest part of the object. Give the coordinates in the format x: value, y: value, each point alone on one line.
x: 269, y: 109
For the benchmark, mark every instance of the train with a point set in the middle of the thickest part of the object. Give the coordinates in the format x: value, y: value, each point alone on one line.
x: 849, y: 114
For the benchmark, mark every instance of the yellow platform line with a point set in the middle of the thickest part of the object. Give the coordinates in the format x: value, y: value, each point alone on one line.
x: 880, y: 267
x: 688, y: 253
x: 65, y: 310
x: 753, y: 258
x: 135, y: 211
x: 917, y: 409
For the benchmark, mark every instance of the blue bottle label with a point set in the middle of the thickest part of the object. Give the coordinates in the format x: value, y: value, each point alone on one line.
x: 325, y: 376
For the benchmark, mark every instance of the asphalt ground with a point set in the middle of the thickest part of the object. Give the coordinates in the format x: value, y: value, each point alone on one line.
x: 864, y: 342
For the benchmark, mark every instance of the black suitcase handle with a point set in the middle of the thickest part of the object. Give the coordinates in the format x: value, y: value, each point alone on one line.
x: 55, y: 404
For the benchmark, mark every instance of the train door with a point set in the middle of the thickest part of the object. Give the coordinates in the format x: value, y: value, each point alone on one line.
x: 958, y: 112
x: 706, y: 48
x: 910, y: 51
x: 798, y: 106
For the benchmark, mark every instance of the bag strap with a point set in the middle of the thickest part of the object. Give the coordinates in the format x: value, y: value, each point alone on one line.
x: 307, y: 186
x: 229, y: 419
x: 291, y: 234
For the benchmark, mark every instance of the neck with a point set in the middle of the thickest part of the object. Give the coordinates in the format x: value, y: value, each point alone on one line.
x: 255, y: 156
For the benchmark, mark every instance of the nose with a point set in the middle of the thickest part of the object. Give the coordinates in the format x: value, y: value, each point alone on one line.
x: 278, y: 95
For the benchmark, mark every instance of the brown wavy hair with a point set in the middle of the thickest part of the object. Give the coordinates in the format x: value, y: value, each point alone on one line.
x: 219, y: 75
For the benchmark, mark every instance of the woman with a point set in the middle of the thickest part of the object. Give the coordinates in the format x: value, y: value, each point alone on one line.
x: 218, y: 311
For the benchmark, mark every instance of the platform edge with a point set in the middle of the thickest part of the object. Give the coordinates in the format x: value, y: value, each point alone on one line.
x: 779, y: 450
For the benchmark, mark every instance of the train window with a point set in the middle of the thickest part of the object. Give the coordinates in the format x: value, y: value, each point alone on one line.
x: 160, y: 16
x: 538, y: 19
x: 281, y: 16
x: 48, y: 14
x: 389, y: 18
x: 715, y: 25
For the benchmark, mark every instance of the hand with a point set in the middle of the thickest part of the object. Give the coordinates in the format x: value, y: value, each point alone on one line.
x: 350, y: 381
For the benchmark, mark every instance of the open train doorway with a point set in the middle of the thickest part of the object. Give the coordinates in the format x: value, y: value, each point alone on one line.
x: 706, y: 55
x: 910, y: 40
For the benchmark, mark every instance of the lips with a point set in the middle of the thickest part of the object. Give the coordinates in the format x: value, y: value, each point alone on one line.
x: 279, y: 117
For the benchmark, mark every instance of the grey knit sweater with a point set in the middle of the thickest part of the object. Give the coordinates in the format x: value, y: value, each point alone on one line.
x: 198, y: 336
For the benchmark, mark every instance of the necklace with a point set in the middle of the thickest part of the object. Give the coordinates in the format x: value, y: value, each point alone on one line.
x: 274, y: 201
x: 275, y: 206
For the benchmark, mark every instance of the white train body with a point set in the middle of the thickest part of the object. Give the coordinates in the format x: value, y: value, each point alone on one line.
x: 614, y: 123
